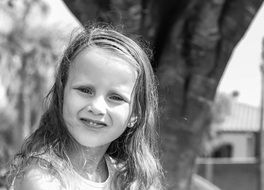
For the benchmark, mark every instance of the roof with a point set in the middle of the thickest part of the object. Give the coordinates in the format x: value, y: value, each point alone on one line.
x: 242, y: 118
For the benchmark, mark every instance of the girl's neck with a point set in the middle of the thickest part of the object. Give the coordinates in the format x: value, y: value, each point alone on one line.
x: 90, y: 163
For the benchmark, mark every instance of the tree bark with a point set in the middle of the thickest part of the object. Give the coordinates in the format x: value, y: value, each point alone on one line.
x: 193, y: 41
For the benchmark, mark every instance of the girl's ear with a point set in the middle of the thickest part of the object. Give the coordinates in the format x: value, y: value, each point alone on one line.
x: 132, y: 121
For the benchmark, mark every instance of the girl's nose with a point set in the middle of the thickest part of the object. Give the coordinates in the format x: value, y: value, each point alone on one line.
x: 97, y: 106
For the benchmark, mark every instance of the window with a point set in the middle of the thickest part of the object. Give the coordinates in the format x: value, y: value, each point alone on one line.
x: 223, y: 151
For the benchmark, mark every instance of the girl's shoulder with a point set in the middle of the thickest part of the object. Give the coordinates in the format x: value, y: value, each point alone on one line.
x: 36, y: 177
x: 41, y: 171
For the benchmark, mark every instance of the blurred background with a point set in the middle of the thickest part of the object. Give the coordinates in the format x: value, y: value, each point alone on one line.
x: 208, y: 58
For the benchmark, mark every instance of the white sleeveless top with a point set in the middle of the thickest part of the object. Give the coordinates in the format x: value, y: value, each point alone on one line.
x: 62, y: 176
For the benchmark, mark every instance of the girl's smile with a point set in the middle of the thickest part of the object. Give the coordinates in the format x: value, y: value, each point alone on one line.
x: 98, y: 97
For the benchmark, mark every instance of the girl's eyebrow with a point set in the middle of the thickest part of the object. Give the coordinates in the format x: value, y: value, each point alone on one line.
x: 81, y: 83
x: 81, y: 86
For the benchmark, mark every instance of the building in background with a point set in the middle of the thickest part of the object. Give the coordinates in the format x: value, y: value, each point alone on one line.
x: 232, y: 162
x: 237, y: 135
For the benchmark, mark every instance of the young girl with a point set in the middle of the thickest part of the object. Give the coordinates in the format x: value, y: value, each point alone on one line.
x: 98, y: 131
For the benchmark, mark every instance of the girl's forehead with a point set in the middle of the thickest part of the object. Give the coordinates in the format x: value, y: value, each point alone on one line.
x: 97, y: 61
x: 110, y: 53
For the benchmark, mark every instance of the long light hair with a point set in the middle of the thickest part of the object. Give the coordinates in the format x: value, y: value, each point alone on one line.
x: 135, y: 151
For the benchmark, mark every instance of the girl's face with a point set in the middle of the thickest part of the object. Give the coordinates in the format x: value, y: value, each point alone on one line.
x: 98, y: 97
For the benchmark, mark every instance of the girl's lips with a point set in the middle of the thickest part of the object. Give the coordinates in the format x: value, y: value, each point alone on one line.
x: 93, y: 123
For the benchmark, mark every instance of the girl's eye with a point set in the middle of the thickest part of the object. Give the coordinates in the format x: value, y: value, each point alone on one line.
x: 117, y: 98
x: 85, y: 90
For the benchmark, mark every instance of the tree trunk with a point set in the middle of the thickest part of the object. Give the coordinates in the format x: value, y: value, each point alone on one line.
x: 201, y: 44
x: 193, y: 41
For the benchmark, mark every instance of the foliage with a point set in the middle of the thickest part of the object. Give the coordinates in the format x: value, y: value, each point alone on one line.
x: 28, y: 54
x: 221, y: 107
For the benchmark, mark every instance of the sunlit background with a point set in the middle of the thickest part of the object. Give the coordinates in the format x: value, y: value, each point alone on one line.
x: 243, y: 71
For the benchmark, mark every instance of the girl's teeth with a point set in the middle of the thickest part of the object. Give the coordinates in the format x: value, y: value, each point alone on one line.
x: 92, y: 123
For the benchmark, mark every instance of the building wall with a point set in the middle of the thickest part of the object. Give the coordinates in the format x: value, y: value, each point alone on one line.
x: 241, y: 171
x: 243, y: 144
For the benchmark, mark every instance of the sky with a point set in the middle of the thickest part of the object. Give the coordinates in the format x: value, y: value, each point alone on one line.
x: 243, y: 71
x: 60, y: 14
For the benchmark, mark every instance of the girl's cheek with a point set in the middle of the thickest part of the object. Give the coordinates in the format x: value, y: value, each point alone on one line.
x: 122, y: 111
